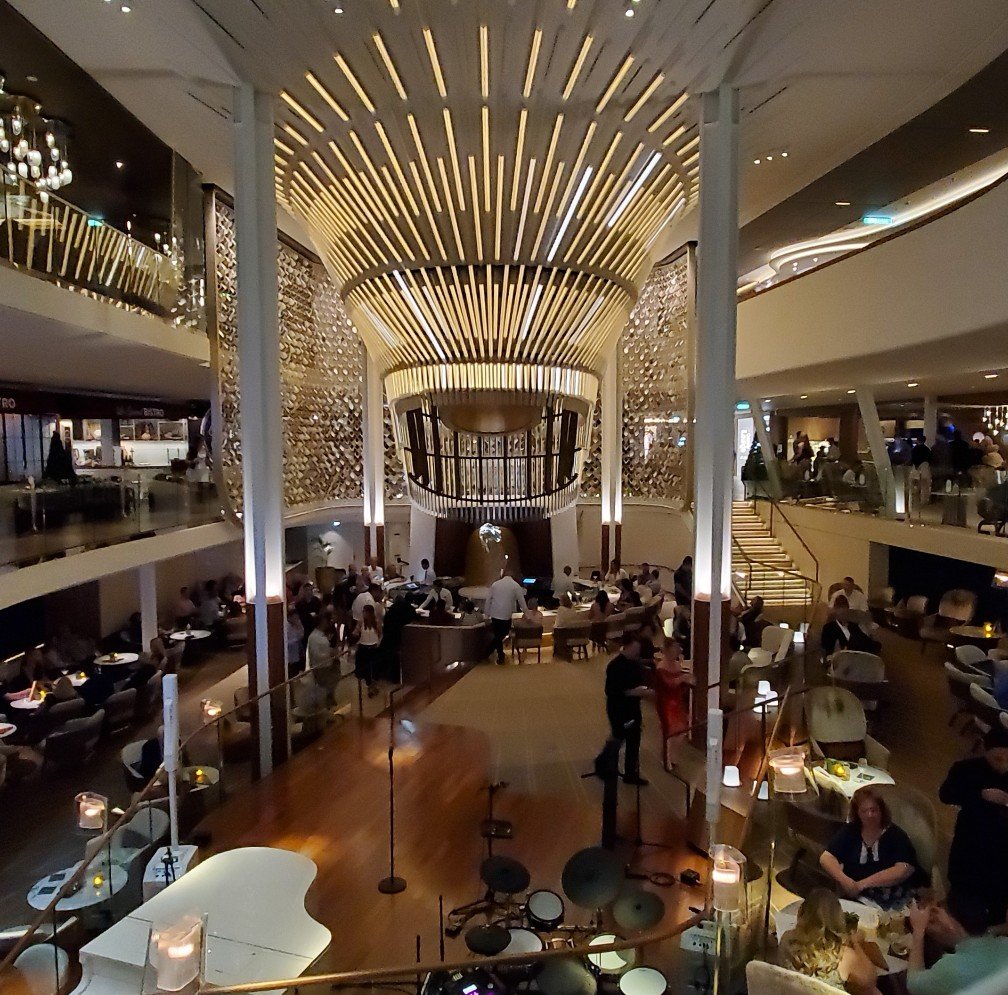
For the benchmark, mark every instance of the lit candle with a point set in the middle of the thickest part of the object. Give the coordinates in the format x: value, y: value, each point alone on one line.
x: 731, y: 778
x: 212, y: 709
x: 91, y: 810
x: 726, y: 876
x: 98, y: 880
x: 175, y: 954
x: 788, y: 766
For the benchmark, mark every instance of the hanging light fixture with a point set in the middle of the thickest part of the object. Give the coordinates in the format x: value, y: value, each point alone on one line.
x: 35, y: 147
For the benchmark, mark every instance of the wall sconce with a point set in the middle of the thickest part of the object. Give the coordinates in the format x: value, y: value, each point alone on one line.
x: 789, y: 770
x: 728, y: 878
x: 92, y: 810
x: 175, y: 953
x: 211, y: 708
x: 731, y: 777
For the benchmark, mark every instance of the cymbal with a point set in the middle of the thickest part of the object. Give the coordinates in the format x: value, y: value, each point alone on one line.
x: 488, y: 940
x: 505, y: 874
x: 592, y: 878
x: 638, y: 908
x: 565, y: 976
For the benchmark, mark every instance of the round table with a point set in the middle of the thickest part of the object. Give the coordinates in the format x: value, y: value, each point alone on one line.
x: 40, y: 894
x: 211, y: 776
x: 860, y: 776
x: 974, y: 635
x: 190, y: 634
x: 26, y: 704
x: 77, y: 679
x: 7, y: 729
x: 116, y: 659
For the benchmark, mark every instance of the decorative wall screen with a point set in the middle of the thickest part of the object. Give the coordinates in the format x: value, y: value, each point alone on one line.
x: 591, y: 468
x: 322, y: 377
x: 655, y: 380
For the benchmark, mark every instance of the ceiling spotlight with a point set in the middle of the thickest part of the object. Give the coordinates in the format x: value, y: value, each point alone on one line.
x: 783, y: 155
x: 119, y: 164
x: 990, y: 376
x: 756, y: 162
x: 628, y: 12
x: 338, y: 10
x: 32, y: 79
x: 979, y: 131
x: 842, y: 203
x: 125, y: 8
x: 852, y: 391
x: 803, y: 397
x: 913, y: 383
x: 769, y: 158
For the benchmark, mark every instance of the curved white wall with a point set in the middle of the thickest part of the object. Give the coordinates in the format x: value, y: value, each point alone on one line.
x: 906, y: 300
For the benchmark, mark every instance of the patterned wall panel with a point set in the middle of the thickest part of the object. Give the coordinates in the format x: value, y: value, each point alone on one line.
x: 591, y: 468
x: 322, y: 377
x: 395, y: 476
x: 656, y: 385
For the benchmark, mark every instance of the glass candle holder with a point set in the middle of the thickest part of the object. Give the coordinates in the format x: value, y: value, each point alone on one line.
x: 91, y: 810
x: 788, y: 765
x: 175, y: 953
x: 727, y: 877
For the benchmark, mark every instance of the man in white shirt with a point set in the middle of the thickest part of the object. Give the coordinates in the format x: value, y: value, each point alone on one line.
x: 856, y: 600
x: 372, y: 596
x: 427, y: 575
x: 319, y: 652
x: 377, y: 574
x: 564, y: 584
x: 506, y: 597
x: 439, y: 593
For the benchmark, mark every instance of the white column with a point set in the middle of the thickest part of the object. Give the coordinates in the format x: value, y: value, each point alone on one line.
x: 930, y: 419
x: 147, y: 582
x: 766, y: 446
x: 612, y: 448
x: 879, y: 451
x: 374, y: 452
x: 259, y: 377
x: 717, y: 280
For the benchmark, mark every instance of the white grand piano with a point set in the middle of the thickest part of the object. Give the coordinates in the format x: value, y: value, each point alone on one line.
x: 257, y: 926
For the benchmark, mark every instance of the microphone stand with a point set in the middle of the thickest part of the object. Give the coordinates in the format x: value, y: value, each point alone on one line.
x: 392, y: 884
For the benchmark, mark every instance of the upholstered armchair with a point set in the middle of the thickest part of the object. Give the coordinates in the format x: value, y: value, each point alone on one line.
x: 837, y: 727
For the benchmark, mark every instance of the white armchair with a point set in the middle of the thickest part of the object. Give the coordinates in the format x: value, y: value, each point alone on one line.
x: 838, y: 728
x: 769, y: 979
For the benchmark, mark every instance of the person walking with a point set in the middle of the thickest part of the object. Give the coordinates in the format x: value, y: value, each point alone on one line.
x: 506, y: 597
x: 625, y: 685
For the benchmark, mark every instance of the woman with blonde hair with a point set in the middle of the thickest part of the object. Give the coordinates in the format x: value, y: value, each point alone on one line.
x: 823, y: 945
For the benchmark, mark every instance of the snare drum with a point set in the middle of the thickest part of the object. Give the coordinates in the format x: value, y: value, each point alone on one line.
x: 544, y: 910
x: 610, y: 963
x: 643, y: 981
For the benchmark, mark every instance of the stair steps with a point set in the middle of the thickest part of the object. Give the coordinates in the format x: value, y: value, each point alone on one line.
x: 767, y: 576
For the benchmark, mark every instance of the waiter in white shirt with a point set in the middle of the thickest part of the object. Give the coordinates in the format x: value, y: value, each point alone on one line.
x: 439, y: 593
x: 377, y: 574
x: 564, y: 584
x: 506, y: 597
x: 427, y: 575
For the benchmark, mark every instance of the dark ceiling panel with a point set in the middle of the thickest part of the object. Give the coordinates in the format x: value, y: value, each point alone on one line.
x: 933, y: 145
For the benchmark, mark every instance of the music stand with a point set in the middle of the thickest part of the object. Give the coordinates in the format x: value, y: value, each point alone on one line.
x: 393, y: 884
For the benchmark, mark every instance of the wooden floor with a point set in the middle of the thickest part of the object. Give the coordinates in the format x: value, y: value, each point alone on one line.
x: 331, y: 804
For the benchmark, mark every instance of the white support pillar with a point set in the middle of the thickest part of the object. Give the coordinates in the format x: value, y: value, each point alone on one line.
x: 879, y: 451
x: 717, y: 280
x: 766, y: 447
x: 930, y: 419
x: 259, y: 380
x: 374, y: 455
x: 147, y: 582
x: 612, y: 461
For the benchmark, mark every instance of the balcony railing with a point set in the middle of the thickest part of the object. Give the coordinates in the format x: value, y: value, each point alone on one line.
x: 59, y: 242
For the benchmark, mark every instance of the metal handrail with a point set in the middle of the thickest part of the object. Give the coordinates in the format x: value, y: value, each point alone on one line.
x: 775, y: 504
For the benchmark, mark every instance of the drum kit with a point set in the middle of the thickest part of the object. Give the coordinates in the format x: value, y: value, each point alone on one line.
x: 523, y: 922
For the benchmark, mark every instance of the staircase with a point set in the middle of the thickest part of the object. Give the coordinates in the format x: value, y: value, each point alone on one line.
x: 759, y: 564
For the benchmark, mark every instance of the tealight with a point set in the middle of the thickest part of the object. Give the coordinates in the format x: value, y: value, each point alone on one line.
x: 727, y: 878
x: 91, y: 809
x: 789, y: 770
x: 175, y: 953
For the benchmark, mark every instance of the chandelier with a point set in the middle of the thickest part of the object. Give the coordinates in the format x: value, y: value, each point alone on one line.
x: 996, y: 417
x: 33, y: 145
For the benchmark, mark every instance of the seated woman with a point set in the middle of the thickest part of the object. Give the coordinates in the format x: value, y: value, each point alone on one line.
x: 601, y: 608
x: 822, y: 945
x: 471, y: 615
x: 533, y: 614
x: 629, y: 598
x: 871, y: 857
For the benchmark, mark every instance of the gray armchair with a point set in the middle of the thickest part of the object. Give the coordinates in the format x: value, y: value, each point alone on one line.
x: 74, y: 742
x: 838, y: 728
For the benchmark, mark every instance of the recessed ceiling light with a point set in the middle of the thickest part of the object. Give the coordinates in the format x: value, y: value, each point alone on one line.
x: 756, y: 162
x: 628, y: 13
x: 32, y: 79
x: 766, y: 400
x: 842, y: 203
x: 783, y: 155
x: 913, y: 383
x: 119, y: 163
x: 338, y: 10
x: 769, y: 158
x: 125, y: 8
x: 803, y: 397
x: 990, y: 376
x: 979, y: 131
x: 852, y: 391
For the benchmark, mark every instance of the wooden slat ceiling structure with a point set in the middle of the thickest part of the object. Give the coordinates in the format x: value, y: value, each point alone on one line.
x: 485, y: 180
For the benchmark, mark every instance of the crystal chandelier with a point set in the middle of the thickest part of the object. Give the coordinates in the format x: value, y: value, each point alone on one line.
x: 33, y: 146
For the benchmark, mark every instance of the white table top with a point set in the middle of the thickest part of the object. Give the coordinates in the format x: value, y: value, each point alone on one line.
x: 7, y: 729
x: 860, y: 776
x: 39, y: 896
x: 26, y: 704
x: 120, y: 659
x: 211, y: 775
x: 75, y: 679
x: 257, y: 926
x: 186, y: 635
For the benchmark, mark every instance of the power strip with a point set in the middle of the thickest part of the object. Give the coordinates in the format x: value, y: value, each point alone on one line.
x: 701, y: 938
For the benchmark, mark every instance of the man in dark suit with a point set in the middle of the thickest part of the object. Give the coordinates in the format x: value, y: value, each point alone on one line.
x: 841, y: 633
